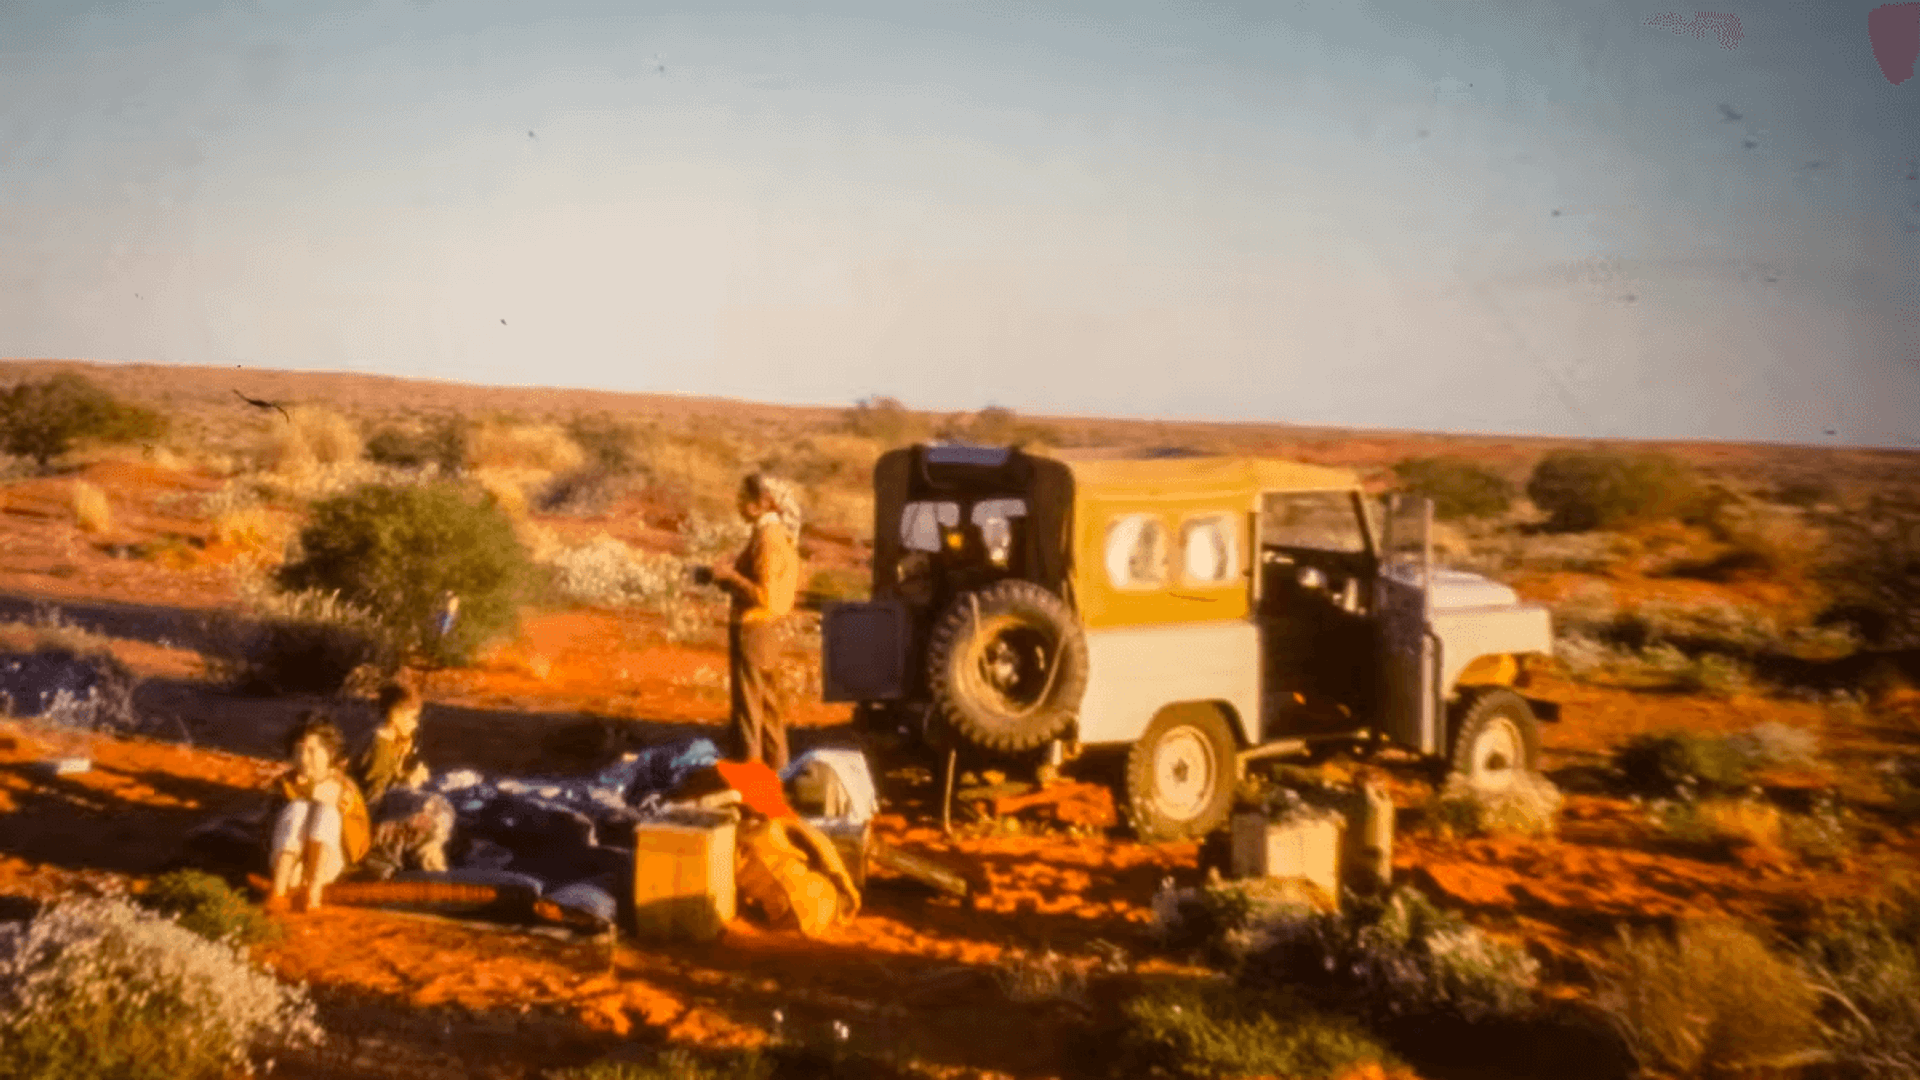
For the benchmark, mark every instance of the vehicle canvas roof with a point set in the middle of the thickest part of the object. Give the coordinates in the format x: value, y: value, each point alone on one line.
x: 1097, y: 472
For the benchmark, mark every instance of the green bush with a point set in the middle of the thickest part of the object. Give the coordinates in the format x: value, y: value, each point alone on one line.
x: 101, y: 988
x: 442, y: 444
x: 208, y: 906
x: 611, y: 446
x: 1664, y: 763
x: 399, y: 551
x: 1458, y: 488
x: 1206, y: 1028
x: 1710, y: 1000
x: 42, y: 420
x: 1582, y: 490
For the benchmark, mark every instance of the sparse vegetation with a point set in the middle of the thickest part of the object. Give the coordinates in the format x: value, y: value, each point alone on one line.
x: 43, y: 420
x: 1865, y: 966
x: 440, y: 443
x: 1710, y: 1000
x: 1528, y: 807
x: 311, y: 438
x: 1206, y: 1028
x: 401, y: 551
x: 300, y: 642
x: 1582, y: 490
x: 1668, y: 763
x: 1459, y: 488
x: 146, y: 998
x: 886, y: 421
x: 210, y: 907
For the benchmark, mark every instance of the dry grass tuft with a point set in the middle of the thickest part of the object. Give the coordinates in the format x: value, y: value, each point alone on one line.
x: 311, y: 438
x: 91, y: 510
x: 254, y: 532
x: 507, y: 486
x: 503, y: 444
x: 1711, y: 1000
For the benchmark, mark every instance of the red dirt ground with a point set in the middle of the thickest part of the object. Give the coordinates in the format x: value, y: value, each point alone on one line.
x: 914, y: 974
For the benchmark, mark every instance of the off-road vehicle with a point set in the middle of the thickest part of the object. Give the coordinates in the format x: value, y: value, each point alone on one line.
x: 1197, y: 611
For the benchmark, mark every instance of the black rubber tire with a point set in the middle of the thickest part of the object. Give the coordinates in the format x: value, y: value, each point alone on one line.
x: 1019, y: 614
x: 1204, y: 729
x: 1479, y: 710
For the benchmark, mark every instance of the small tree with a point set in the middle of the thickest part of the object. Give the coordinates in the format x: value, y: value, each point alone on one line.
x: 1583, y: 490
x: 42, y: 420
x: 1458, y: 488
x: 886, y: 420
x: 400, y: 551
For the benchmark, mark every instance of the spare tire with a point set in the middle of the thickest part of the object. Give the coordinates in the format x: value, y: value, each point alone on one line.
x: 1008, y: 666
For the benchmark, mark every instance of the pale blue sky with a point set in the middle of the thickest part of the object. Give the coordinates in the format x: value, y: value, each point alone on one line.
x: 1314, y: 212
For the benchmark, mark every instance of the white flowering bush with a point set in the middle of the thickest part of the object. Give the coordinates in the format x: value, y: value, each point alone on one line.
x: 101, y: 988
x: 1529, y: 806
x: 608, y: 572
x: 1393, y: 957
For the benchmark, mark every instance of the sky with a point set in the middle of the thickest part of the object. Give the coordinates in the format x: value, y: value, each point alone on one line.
x: 1609, y: 218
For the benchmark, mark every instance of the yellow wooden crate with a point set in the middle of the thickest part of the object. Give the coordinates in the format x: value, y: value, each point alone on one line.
x: 683, y: 878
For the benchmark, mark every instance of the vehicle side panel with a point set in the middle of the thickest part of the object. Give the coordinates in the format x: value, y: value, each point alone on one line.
x: 1136, y: 671
x: 1467, y: 634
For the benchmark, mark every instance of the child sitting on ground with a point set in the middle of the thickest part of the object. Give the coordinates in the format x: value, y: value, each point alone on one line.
x: 411, y: 826
x: 323, y: 827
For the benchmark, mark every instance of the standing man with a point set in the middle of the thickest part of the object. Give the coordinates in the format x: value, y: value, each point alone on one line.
x: 763, y: 581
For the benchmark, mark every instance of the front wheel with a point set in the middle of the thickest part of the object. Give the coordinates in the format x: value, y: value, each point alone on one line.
x: 1495, y: 738
x: 1180, y: 775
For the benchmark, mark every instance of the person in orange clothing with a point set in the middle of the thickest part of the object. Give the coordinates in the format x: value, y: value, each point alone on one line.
x: 323, y: 827
x: 763, y: 581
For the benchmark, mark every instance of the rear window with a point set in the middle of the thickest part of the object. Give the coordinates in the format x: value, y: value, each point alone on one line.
x: 921, y: 522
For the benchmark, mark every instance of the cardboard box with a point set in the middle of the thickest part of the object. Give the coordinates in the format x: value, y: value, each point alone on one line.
x: 1307, y: 848
x: 683, y: 877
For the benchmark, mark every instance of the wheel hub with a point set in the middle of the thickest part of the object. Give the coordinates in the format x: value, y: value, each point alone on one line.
x: 1184, y: 774
x: 1495, y: 763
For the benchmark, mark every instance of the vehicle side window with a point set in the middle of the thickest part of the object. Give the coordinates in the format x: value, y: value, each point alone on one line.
x: 1136, y: 552
x: 921, y: 522
x: 1316, y: 520
x: 1210, y: 550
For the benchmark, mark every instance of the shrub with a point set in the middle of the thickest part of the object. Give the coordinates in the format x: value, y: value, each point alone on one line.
x: 1393, y: 956
x: 1774, y: 745
x: 886, y: 421
x: 1712, y: 674
x: 1206, y: 1028
x: 995, y: 426
x: 1458, y: 488
x: 99, y: 988
x: 441, y: 444
x: 1755, y: 541
x: 311, y: 438
x: 42, y: 420
x: 401, y: 551
x: 91, y: 511
x: 1865, y: 964
x: 1711, y: 999
x: 607, y: 572
x: 1528, y: 807
x: 1582, y: 490
x: 504, y: 444
x: 611, y: 447
x: 1666, y: 763
x: 304, y: 642
x: 1873, y: 576
x: 1723, y: 824
x: 588, y: 490
x: 210, y: 907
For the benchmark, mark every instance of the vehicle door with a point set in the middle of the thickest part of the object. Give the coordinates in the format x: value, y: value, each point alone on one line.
x: 1317, y: 563
x: 1409, y: 711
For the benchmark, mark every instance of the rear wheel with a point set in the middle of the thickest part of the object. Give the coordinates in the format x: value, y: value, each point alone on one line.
x: 1495, y: 738
x: 1180, y: 775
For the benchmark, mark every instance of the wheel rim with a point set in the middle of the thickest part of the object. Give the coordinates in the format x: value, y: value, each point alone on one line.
x: 1496, y: 756
x: 1184, y: 774
x: 1009, y: 666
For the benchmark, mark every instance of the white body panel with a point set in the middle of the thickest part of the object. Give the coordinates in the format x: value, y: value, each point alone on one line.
x: 1134, y: 672
x: 1466, y: 634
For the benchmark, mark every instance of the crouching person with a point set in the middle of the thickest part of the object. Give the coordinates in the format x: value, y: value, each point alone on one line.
x: 323, y: 828
x: 411, y: 827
